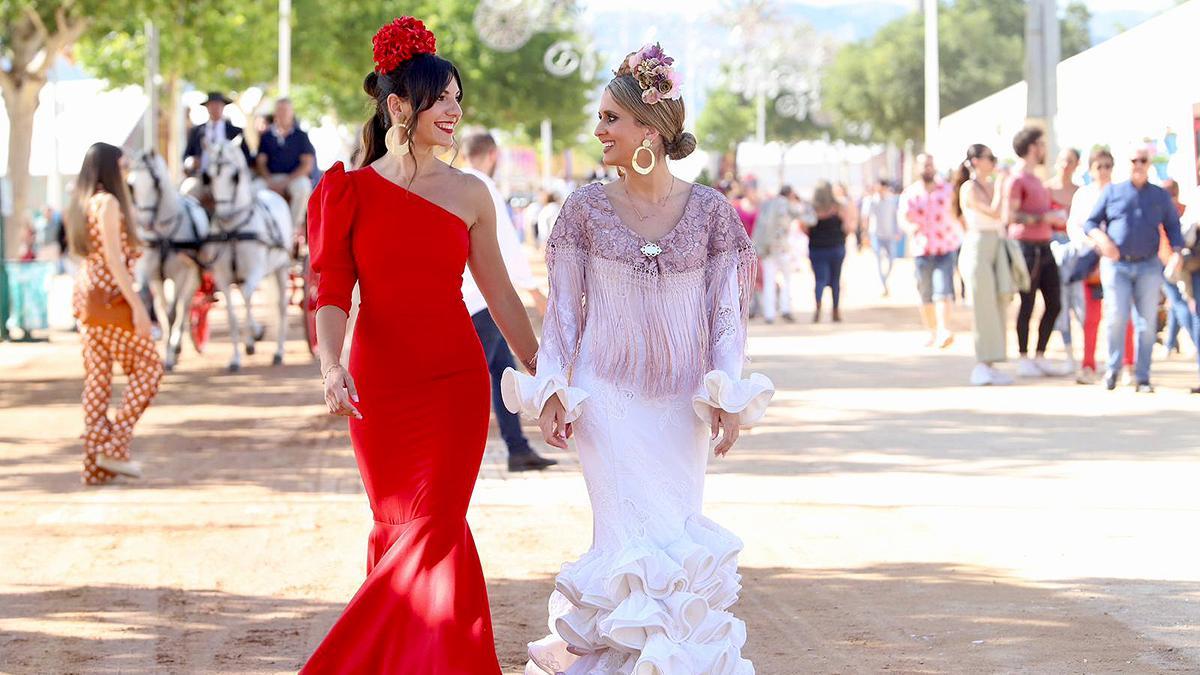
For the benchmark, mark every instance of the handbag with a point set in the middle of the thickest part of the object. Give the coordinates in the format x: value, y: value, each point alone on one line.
x: 102, y: 308
x: 1019, y: 269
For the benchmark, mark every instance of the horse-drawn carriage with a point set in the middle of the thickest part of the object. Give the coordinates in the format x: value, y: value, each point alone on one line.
x: 302, y: 294
x: 248, y: 238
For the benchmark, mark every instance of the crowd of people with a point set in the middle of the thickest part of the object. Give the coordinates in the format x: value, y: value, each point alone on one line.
x: 1107, y: 252
x: 1118, y: 254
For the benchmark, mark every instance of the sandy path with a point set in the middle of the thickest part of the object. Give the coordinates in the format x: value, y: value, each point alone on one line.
x: 895, y: 520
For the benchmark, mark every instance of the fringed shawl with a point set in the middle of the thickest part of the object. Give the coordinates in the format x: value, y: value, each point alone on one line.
x: 651, y: 323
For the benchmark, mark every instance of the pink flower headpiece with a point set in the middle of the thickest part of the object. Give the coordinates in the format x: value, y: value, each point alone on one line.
x: 399, y: 41
x: 651, y: 67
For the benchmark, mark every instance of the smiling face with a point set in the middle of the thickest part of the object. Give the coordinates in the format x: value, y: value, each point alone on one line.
x: 620, y: 134
x: 434, y: 126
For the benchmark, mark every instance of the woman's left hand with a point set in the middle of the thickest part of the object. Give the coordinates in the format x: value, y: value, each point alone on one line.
x: 728, y: 425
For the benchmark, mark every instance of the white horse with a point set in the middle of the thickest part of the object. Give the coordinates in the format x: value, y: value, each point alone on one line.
x: 251, y: 240
x: 174, y: 228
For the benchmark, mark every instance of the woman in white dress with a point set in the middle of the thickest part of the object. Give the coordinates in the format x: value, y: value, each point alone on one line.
x: 641, y: 364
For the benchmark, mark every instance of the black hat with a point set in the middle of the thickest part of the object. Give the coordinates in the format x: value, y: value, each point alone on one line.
x: 217, y: 96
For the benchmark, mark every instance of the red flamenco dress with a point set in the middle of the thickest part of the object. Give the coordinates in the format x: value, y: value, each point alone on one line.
x: 424, y: 396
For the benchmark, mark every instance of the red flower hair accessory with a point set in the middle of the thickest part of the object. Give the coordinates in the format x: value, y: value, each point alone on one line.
x: 399, y: 41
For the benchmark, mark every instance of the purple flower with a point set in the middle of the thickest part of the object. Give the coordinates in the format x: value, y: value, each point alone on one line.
x: 651, y: 67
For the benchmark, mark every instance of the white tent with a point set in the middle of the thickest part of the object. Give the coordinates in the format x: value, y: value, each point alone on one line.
x: 1140, y: 84
x: 71, y: 116
x: 802, y: 164
x: 74, y: 111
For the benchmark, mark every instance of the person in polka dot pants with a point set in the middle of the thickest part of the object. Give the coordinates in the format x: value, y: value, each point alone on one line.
x: 99, y: 228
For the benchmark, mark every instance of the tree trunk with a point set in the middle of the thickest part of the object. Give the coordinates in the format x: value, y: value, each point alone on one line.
x: 34, y: 49
x: 170, y: 143
x: 22, y: 102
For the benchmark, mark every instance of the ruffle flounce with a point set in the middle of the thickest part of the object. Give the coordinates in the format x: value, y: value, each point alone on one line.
x: 527, y: 394
x: 749, y: 396
x: 646, y: 610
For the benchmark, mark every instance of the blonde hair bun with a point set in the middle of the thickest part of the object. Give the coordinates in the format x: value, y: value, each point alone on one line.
x: 681, y: 147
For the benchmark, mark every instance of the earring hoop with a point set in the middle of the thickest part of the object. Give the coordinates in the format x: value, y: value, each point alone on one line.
x: 392, y: 141
x: 644, y: 170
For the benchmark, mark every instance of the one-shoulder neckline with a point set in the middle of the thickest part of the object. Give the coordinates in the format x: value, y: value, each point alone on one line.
x: 687, y: 207
x: 418, y: 196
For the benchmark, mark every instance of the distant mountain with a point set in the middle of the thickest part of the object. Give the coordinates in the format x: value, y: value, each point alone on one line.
x: 848, y: 21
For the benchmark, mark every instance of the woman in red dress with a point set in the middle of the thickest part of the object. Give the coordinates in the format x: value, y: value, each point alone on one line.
x: 403, y: 226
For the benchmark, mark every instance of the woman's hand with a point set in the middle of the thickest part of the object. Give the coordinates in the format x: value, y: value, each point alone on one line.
x: 141, y: 320
x: 729, y: 423
x: 555, y: 429
x: 340, y: 393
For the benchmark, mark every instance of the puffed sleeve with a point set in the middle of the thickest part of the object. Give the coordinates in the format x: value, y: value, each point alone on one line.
x: 566, y: 265
x: 330, y: 224
x: 729, y: 280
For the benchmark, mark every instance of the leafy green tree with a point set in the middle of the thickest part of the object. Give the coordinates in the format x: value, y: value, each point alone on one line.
x: 726, y: 120
x: 216, y: 45
x: 874, y: 89
x: 34, y: 35
x: 506, y: 90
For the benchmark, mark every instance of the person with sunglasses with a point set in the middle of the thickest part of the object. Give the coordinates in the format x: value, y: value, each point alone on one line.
x: 1124, y: 224
x: 1087, y: 263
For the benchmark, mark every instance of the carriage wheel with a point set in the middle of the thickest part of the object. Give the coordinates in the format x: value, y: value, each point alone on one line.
x: 308, y: 304
x: 203, y: 301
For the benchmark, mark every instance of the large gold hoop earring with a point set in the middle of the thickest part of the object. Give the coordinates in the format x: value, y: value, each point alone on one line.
x: 653, y: 160
x: 392, y: 141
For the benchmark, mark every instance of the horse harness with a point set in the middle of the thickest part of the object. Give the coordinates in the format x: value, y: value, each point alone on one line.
x: 243, y: 216
x: 235, y: 234
x: 165, y: 245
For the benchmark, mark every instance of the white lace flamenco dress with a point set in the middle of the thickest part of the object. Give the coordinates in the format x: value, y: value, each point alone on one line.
x: 641, y: 340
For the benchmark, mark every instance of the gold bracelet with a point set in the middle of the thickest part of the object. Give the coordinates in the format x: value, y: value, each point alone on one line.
x: 531, y: 363
x: 325, y: 375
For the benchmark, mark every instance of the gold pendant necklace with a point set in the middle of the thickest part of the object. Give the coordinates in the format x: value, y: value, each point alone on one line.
x: 633, y: 206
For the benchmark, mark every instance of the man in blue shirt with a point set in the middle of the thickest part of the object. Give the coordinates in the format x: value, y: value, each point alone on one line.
x: 1125, y: 227
x: 285, y: 160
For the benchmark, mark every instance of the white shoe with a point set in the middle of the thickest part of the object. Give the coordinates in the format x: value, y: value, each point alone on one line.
x: 981, y: 375
x: 1001, y: 378
x: 1126, y: 378
x: 1086, y: 376
x: 1026, y: 368
x: 131, y: 468
x: 1069, y: 366
x: 1048, y: 367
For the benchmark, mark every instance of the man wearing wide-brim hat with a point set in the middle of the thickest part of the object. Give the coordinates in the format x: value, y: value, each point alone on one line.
x: 217, y: 128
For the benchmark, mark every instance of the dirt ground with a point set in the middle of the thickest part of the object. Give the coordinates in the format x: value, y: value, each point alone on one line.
x: 895, y: 519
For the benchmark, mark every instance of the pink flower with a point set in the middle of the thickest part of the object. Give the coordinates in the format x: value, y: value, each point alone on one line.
x: 676, y: 89
x: 651, y: 96
x: 634, y: 60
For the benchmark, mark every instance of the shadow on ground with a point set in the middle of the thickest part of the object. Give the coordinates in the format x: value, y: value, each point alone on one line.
x: 909, y: 618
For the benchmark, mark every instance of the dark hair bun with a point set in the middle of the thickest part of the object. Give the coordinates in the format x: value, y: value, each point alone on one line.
x: 681, y: 147
x: 371, y: 84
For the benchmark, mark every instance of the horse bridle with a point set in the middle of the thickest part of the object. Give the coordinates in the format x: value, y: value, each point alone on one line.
x: 144, y: 160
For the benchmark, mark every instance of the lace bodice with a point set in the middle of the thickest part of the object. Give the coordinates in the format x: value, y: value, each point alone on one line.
x: 702, y: 232
x: 659, y: 321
